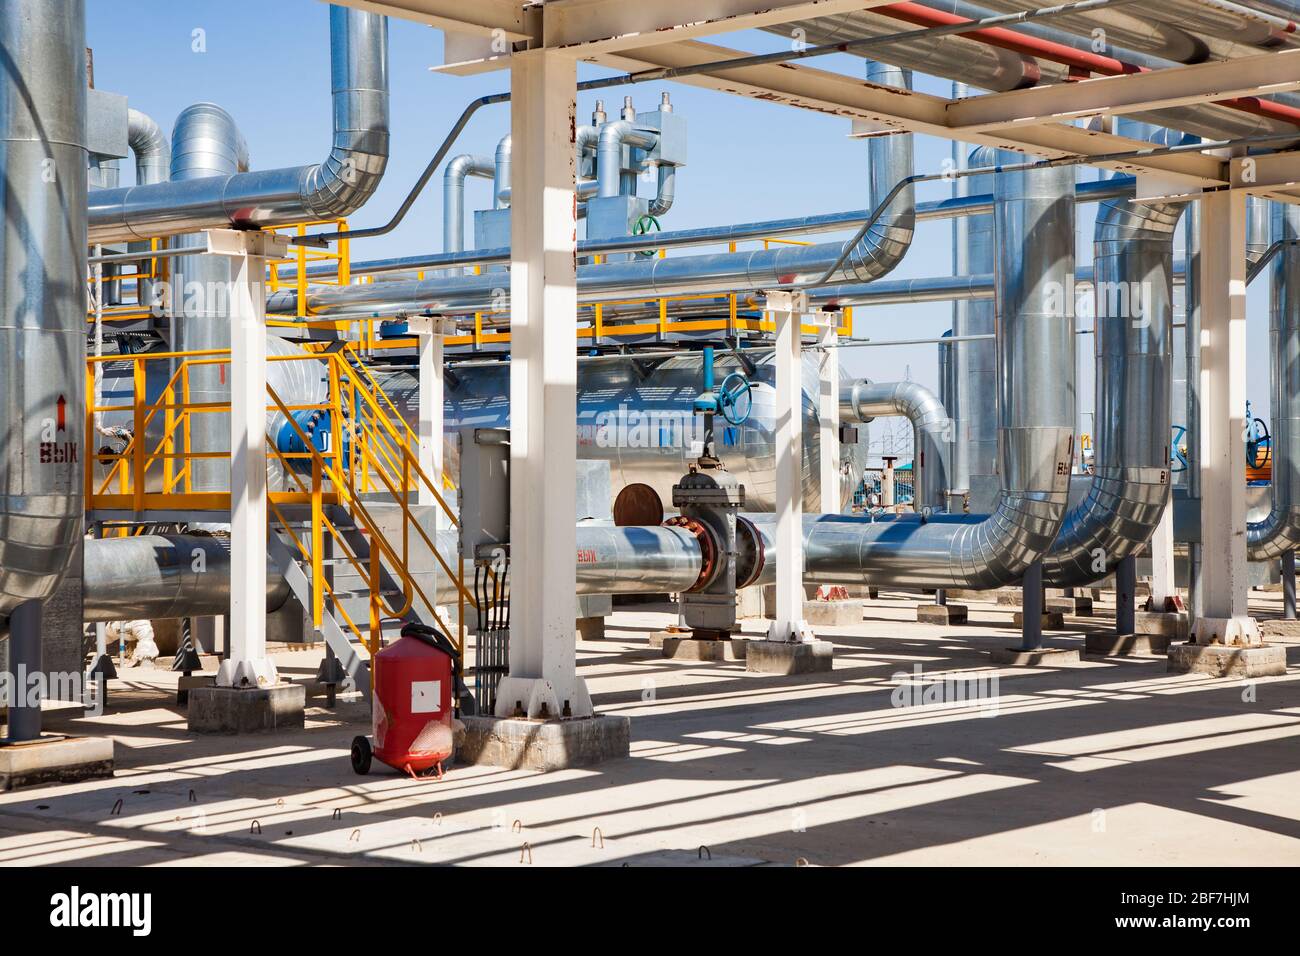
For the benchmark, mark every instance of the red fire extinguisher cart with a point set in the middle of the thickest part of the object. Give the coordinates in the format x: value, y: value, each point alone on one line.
x: 415, y: 679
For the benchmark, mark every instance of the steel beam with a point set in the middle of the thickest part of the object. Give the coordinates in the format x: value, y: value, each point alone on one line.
x: 506, y: 19
x: 1259, y: 75
x: 835, y: 94
x: 597, y: 26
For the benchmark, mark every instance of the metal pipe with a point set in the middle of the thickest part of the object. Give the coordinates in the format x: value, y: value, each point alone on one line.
x: 42, y: 294
x: 863, y: 401
x: 1129, y: 489
x: 160, y: 576
x: 206, y: 144
x: 153, y: 159
x: 974, y: 205
x: 875, y: 253
x: 501, y: 172
x: 637, y: 560
x: 1034, y: 221
x: 1279, y: 532
x: 330, y: 190
x: 614, y: 137
x: 453, y: 196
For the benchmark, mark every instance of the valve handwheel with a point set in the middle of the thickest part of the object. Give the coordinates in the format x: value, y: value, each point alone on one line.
x: 736, y: 394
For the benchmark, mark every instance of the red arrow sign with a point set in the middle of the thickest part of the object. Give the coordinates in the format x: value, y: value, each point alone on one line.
x: 63, y: 414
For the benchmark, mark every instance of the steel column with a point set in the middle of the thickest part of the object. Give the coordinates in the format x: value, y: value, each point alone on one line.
x: 1031, y: 608
x: 24, y: 664
x: 543, y: 392
x: 1288, y: 585
x: 1126, y: 595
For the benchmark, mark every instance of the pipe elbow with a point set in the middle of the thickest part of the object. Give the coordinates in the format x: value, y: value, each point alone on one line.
x: 153, y: 153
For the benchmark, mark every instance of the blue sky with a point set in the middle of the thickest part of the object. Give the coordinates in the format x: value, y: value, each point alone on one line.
x: 268, y: 64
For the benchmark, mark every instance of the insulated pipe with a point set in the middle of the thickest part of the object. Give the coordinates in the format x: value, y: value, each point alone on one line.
x: 1129, y: 489
x: 160, y: 576
x: 331, y: 190
x: 153, y: 160
x: 206, y: 143
x: 975, y: 363
x: 1279, y: 532
x: 609, y: 152
x: 153, y: 154
x: 879, y: 250
x: 453, y: 196
x: 972, y: 205
x: 501, y: 173
x: 177, y: 575
x: 644, y: 560
x: 666, y: 192
x: 42, y: 295
x: 1034, y: 220
x: 863, y: 401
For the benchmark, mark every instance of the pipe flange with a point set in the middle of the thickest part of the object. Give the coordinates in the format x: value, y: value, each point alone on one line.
x: 751, y: 556
x: 708, y: 548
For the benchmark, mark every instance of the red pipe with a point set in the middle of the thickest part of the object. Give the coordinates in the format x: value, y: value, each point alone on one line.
x: 1081, y: 60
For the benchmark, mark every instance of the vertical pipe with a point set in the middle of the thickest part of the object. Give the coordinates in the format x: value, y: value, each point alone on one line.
x: 43, y: 295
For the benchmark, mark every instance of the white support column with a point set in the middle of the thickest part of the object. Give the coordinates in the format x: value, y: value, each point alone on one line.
x: 247, y: 664
x: 1225, y: 616
x: 431, y: 332
x: 788, y: 309
x: 543, y: 391
x: 1161, y: 548
x: 828, y: 412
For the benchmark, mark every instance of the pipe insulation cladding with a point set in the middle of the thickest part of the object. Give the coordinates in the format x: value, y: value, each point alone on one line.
x: 1034, y: 225
x: 43, y: 295
x: 329, y: 190
x: 1133, y: 282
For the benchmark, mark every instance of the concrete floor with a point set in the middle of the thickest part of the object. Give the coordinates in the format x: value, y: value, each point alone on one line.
x: 1107, y: 762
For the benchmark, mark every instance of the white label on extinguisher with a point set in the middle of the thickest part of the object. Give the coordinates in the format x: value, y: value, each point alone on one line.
x: 426, y: 696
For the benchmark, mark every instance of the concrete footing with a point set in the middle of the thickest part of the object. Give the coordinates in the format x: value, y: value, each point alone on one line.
x: 941, y: 613
x: 544, y: 745
x: 591, y: 628
x: 1073, y: 606
x: 246, y: 710
x: 188, y: 682
x: 1019, y: 657
x: 1221, y: 660
x: 686, y: 648
x: 55, y: 759
x: 789, y: 657
x: 1124, y: 645
x: 835, y: 613
x: 1170, y: 625
x: 1052, y: 620
x: 1283, y: 629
